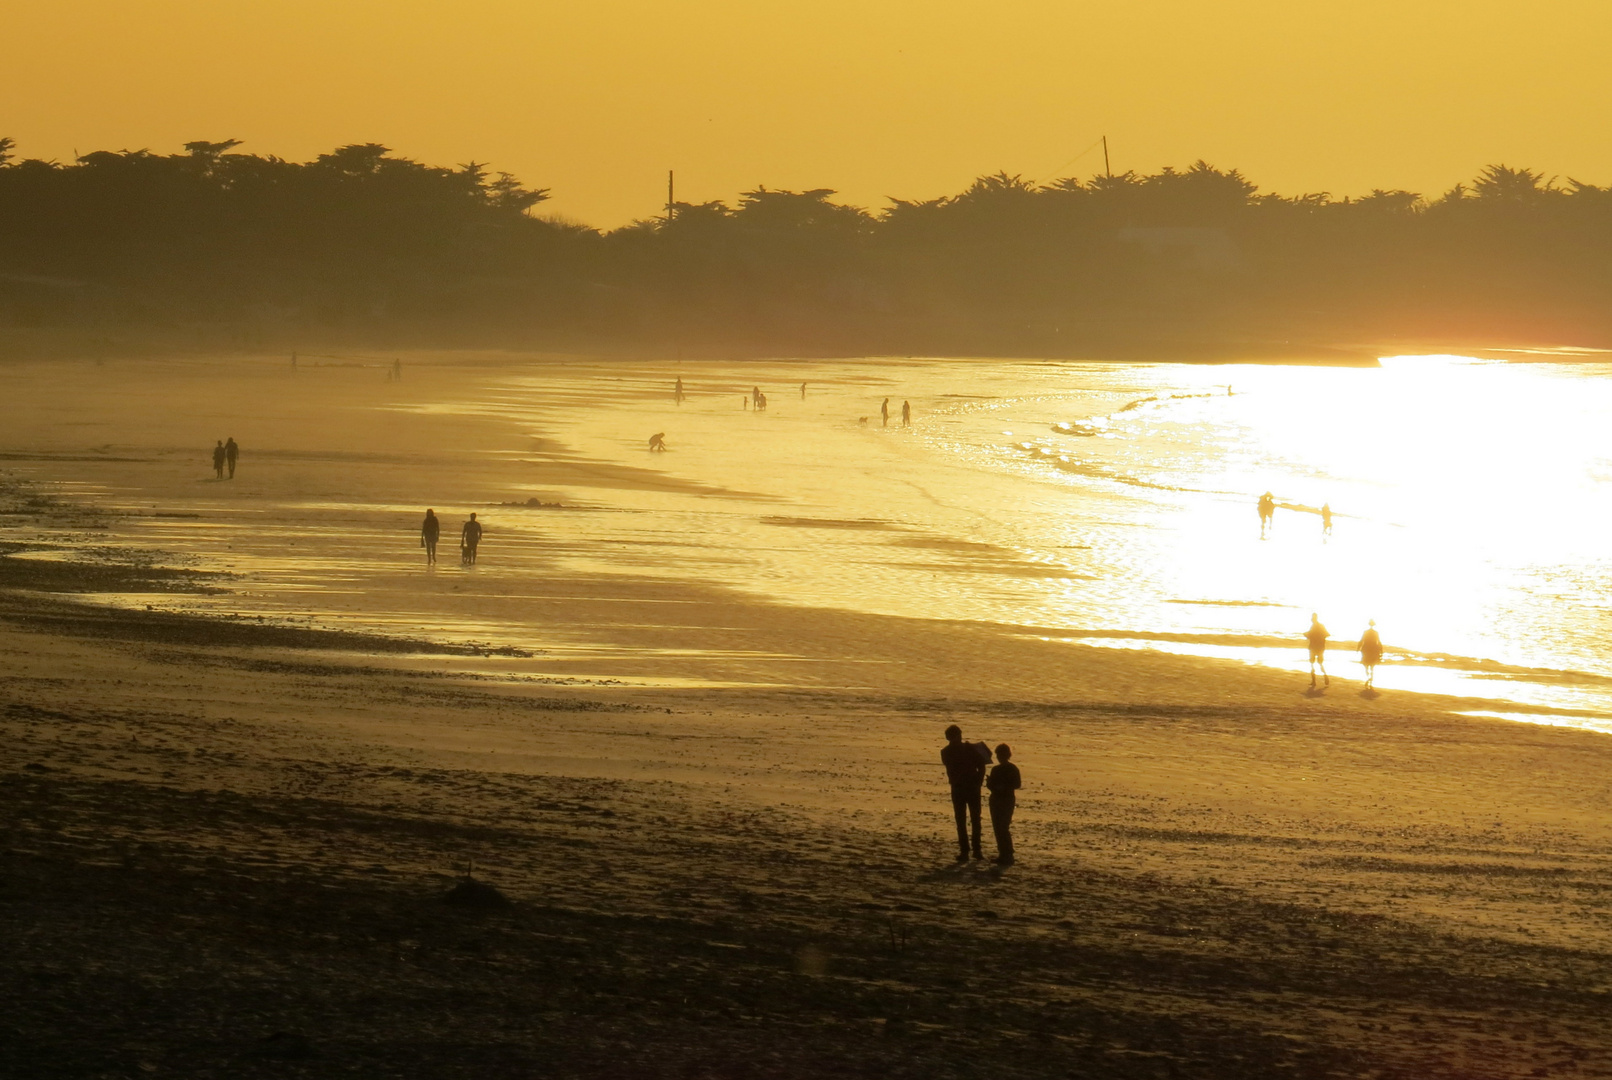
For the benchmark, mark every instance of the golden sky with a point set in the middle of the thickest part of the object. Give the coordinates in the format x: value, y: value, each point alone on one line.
x: 596, y: 99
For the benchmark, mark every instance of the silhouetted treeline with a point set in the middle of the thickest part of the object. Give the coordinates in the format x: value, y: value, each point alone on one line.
x: 360, y: 241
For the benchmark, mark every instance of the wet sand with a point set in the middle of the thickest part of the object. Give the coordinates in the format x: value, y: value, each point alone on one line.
x: 723, y: 838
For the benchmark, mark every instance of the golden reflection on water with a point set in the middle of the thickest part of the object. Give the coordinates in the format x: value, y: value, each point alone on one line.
x: 1112, y: 503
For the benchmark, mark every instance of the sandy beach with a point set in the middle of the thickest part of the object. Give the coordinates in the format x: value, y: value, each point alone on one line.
x: 239, y: 792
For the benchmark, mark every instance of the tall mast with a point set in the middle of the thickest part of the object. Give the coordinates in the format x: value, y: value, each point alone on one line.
x: 1106, y: 170
x: 671, y: 199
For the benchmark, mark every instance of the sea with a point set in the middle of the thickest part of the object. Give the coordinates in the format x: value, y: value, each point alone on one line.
x: 1101, y: 503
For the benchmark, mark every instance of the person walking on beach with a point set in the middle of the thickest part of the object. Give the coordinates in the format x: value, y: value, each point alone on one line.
x: 219, y: 454
x: 231, y: 452
x: 469, y: 540
x: 1371, y: 652
x: 1326, y: 519
x: 884, y: 412
x: 906, y: 414
x: 1316, y: 637
x: 965, y: 772
x: 1003, y: 782
x: 803, y: 391
x: 1267, y: 514
x: 430, y: 532
x: 677, y: 391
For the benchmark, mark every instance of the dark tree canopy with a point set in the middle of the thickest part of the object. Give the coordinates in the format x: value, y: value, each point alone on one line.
x: 362, y: 237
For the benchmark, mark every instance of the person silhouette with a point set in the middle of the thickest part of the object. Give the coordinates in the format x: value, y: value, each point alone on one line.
x: 1316, y: 637
x: 657, y: 442
x: 219, y: 455
x: 1267, y: 514
x: 677, y: 391
x: 803, y: 391
x: 231, y: 452
x: 1371, y: 652
x: 965, y: 772
x: 1326, y: 519
x: 884, y: 412
x: 469, y: 540
x: 1003, y: 782
x: 906, y: 413
x: 430, y: 532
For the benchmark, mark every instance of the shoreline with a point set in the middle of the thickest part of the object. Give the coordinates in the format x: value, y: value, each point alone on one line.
x: 225, y: 847
x: 1192, y: 888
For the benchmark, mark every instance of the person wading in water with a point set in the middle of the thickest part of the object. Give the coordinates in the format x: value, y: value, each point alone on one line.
x: 469, y: 540
x: 1267, y: 514
x: 1316, y: 637
x: 430, y: 532
x: 1371, y: 653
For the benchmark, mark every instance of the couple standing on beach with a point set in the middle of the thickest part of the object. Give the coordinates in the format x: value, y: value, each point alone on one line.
x: 965, y: 771
x: 224, y: 456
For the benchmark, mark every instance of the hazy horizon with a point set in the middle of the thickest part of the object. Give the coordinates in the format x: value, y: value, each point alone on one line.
x: 888, y: 100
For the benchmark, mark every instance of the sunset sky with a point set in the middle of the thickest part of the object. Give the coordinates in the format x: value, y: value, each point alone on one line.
x: 597, y: 100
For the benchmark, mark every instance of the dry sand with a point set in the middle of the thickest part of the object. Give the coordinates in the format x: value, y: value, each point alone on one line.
x: 226, y: 845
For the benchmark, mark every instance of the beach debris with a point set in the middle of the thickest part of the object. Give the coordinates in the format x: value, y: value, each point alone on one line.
x: 475, y: 895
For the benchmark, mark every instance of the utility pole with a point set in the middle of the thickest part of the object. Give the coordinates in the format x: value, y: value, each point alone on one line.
x: 671, y: 199
x: 1106, y: 170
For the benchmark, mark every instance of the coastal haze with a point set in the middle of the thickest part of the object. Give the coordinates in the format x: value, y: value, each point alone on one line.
x: 910, y: 420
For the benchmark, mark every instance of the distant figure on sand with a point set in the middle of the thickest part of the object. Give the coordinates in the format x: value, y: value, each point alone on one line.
x: 469, y: 540
x: 1267, y: 513
x: 1371, y: 652
x: 1316, y: 636
x: 657, y: 442
x: 884, y: 412
x: 906, y: 413
x: 965, y: 772
x: 677, y: 391
x: 231, y: 452
x: 430, y: 532
x: 219, y: 456
x: 803, y: 391
x: 1003, y: 782
x: 1326, y: 519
